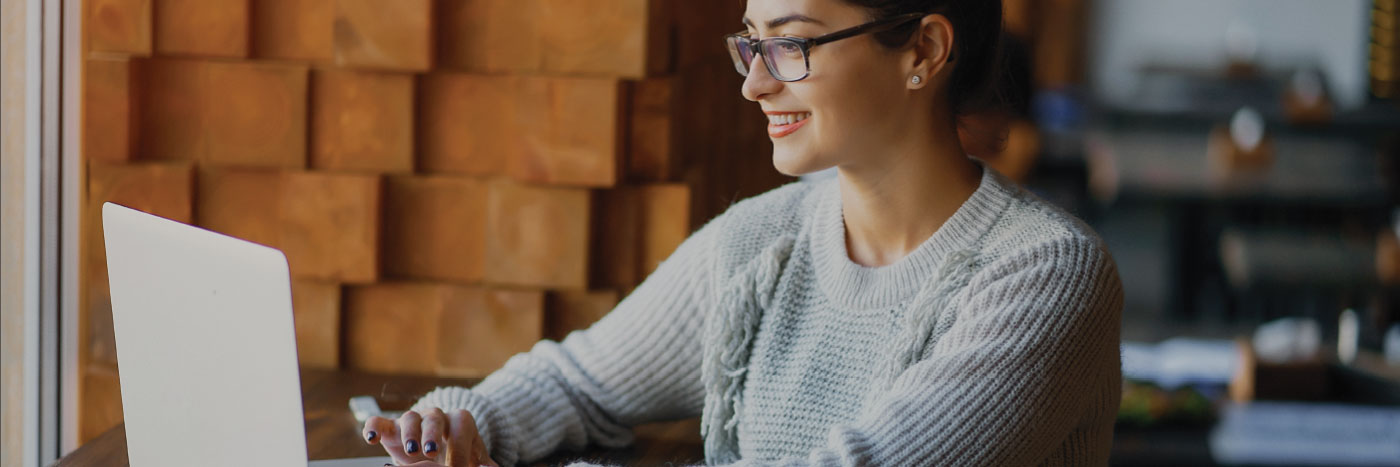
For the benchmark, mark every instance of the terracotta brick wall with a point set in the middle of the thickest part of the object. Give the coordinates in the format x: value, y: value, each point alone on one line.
x: 454, y: 179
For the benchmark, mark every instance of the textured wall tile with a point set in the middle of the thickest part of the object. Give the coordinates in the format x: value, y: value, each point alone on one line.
x: 488, y: 35
x: 572, y: 130
x: 537, y: 236
x: 629, y: 41
x: 570, y: 311
x: 242, y: 203
x: 434, y: 228
x: 224, y: 113
x: 165, y: 190
x: 99, y: 401
x: 118, y: 26
x: 390, y: 327
x: 293, y: 29
x: 650, y: 155
x: 316, y: 308
x: 330, y: 226
x: 467, y: 123
x: 665, y: 222
x: 391, y: 35
x: 107, y: 121
x: 633, y: 39
x: 479, y: 329
x: 216, y: 28
x: 617, y: 238
x: 362, y: 121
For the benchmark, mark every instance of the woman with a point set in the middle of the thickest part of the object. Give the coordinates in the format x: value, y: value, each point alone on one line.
x: 916, y: 309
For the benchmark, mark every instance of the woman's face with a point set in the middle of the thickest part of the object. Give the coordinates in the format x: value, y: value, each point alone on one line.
x: 855, y: 98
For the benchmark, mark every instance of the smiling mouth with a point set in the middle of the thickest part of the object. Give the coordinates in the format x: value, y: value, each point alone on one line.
x: 783, y: 124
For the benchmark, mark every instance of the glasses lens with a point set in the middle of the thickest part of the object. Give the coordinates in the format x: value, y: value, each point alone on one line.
x: 741, y: 53
x: 786, y: 58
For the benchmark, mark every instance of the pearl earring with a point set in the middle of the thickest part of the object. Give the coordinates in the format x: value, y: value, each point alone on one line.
x: 916, y: 79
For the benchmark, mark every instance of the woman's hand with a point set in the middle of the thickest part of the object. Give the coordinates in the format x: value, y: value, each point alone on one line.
x: 433, y: 436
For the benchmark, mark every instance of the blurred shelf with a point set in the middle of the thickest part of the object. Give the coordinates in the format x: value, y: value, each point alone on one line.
x: 1147, y: 162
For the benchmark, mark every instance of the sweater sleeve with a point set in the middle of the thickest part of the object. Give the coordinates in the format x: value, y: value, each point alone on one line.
x: 638, y: 364
x: 1032, y: 355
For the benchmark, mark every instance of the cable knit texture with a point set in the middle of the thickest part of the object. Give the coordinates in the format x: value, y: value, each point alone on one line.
x: 995, y: 342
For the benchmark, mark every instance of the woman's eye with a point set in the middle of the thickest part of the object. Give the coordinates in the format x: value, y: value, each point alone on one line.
x: 789, y: 48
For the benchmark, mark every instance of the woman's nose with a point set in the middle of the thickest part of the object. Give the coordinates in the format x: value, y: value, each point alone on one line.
x: 759, y: 82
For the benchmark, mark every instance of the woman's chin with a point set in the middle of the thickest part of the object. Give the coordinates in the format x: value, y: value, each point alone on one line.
x: 795, y: 164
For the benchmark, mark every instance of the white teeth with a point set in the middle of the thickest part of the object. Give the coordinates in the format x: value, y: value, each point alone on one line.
x: 788, y: 119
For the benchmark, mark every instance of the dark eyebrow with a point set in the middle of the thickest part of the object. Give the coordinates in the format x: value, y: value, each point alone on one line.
x: 786, y: 19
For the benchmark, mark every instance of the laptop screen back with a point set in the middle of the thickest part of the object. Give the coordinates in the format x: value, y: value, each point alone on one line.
x: 205, y: 344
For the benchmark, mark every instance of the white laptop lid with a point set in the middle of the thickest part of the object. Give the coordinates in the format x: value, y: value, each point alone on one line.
x: 206, y: 345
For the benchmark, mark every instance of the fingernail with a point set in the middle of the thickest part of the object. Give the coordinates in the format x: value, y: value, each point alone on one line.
x: 411, y: 446
x: 371, y: 436
x: 430, y: 446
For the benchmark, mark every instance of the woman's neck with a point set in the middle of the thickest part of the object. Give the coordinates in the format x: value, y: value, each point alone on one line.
x: 900, y: 196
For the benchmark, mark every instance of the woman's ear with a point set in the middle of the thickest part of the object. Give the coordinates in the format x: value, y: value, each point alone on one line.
x: 933, y: 47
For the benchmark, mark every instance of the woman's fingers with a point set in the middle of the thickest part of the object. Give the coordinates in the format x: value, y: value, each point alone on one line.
x: 410, y: 434
x: 434, y: 422
x: 376, y: 428
x: 483, y: 457
x: 382, y: 431
x: 465, y: 443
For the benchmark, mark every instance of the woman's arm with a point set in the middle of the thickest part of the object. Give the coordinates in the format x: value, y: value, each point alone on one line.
x: 639, y: 363
x: 1034, y: 349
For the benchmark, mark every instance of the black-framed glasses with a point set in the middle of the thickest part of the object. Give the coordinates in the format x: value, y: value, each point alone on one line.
x: 787, y: 57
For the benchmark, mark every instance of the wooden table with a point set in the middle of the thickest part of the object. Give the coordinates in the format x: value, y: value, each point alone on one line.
x: 333, y: 433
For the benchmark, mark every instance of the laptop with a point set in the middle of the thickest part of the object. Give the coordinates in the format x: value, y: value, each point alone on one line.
x: 206, y: 346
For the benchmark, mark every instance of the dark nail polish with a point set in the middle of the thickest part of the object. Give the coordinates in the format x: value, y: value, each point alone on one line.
x: 411, y: 446
x: 429, y: 447
x: 371, y: 436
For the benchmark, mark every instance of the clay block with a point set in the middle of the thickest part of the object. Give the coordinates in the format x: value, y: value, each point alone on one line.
x: 224, y: 113
x: 650, y: 154
x: 546, y: 37
x: 388, y: 35
x: 316, y: 308
x: 99, y: 401
x: 493, y: 36
x: 572, y: 131
x: 635, y: 229
x: 362, y: 121
x: 479, y: 329
x: 107, y: 111
x: 665, y: 222
x: 118, y: 26
x: 537, y: 236
x: 241, y: 203
x: 389, y: 327
x: 293, y: 29
x: 552, y: 130
x: 567, y: 312
x: 217, y: 28
x: 617, y: 238
x: 330, y: 226
x: 630, y: 41
x: 165, y: 190
x: 434, y: 228
x: 467, y: 123
x: 430, y: 328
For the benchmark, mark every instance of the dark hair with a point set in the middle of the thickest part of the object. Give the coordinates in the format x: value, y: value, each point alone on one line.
x: 976, y: 45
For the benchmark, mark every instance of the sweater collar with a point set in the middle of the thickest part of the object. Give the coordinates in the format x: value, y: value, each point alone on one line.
x: 853, y: 286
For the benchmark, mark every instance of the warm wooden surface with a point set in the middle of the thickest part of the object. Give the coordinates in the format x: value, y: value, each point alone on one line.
x: 333, y: 433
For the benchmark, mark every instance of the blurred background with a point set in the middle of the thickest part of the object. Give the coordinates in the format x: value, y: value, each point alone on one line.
x: 502, y: 171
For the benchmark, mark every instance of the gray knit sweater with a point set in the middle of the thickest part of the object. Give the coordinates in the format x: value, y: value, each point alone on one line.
x: 995, y: 342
